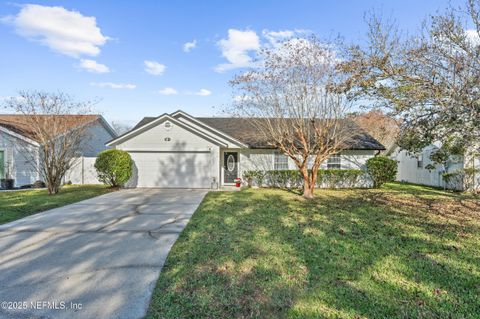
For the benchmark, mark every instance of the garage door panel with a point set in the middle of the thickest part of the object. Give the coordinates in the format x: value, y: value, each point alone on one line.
x: 172, y: 169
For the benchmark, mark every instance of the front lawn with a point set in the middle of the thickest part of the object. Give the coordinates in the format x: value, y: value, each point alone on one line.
x: 18, y: 204
x: 400, y: 252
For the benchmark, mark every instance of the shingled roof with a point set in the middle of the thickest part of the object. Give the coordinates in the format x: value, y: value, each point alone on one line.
x: 20, y: 123
x: 243, y: 130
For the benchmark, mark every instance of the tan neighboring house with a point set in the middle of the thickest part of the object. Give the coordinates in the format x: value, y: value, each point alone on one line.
x: 16, y: 139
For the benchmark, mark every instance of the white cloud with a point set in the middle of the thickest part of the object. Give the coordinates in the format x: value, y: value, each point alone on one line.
x: 241, y: 98
x: 189, y: 46
x: 93, y: 66
x: 63, y: 31
x: 168, y: 91
x: 154, y: 67
x: 113, y: 85
x: 203, y: 92
x: 276, y: 37
x: 472, y: 36
x: 236, y: 49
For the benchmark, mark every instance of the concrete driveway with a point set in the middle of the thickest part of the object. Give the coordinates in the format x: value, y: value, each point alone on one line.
x: 99, y: 258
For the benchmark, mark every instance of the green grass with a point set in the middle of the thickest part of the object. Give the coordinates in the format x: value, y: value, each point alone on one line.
x: 403, y: 251
x: 18, y: 204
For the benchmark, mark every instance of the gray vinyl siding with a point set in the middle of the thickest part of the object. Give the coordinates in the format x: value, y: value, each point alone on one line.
x: 20, y: 159
x: 184, y: 146
x: 23, y: 160
x: 263, y: 159
x: 154, y: 140
x: 95, y: 139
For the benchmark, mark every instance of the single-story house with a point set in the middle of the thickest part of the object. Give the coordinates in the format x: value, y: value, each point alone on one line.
x: 17, y: 139
x: 420, y: 169
x: 178, y: 150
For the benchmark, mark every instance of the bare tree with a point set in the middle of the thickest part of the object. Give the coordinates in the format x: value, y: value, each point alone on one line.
x: 58, y: 124
x: 381, y: 126
x: 287, y: 97
x: 120, y: 128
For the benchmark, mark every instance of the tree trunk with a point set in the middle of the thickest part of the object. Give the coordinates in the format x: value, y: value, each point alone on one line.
x: 307, y: 190
x: 310, y: 181
x: 307, y: 185
x: 51, y: 189
x: 52, y: 186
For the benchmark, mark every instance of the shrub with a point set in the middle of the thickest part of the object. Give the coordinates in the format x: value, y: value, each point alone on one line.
x: 462, y: 179
x: 382, y: 170
x: 339, y: 178
x: 454, y: 180
x: 254, y: 178
x: 284, y: 178
x: 292, y: 179
x: 114, y: 167
x: 39, y: 184
x: 469, y: 181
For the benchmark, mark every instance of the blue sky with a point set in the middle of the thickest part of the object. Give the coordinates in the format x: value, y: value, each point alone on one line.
x: 131, y: 56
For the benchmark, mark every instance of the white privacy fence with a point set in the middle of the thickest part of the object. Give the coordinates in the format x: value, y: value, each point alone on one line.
x: 83, y: 172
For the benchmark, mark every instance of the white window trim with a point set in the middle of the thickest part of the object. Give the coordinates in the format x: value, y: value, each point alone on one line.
x: 339, y: 163
x: 222, y: 166
x: 277, y: 153
x: 420, y: 161
x: 23, y: 138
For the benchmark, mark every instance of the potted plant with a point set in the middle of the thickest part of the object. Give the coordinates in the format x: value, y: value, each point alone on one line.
x: 248, y: 176
x: 7, y: 182
x: 238, y: 182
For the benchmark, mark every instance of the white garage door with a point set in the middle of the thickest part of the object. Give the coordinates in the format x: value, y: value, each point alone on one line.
x: 171, y: 169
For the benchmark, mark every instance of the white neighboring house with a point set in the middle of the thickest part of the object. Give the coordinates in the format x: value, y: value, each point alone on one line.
x: 16, y: 138
x: 178, y: 150
x: 417, y: 168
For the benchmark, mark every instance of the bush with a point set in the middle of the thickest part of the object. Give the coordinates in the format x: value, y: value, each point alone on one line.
x: 284, y: 179
x: 462, y: 179
x: 292, y: 179
x: 114, y: 167
x: 254, y: 178
x: 339, y: 178
x: 39, y: 184
x: 382, y: 170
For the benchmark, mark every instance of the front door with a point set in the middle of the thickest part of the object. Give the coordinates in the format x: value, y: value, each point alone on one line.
x: 230, y: 167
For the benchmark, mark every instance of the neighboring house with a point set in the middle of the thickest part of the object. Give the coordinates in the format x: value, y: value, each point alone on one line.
x: 180, y: 151
x: 420, y: 169
x: 16, y: 138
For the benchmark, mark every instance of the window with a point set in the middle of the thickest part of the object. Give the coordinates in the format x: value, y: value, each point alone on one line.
x: 280, y: 161
x: 167, y: 139
x: 334, y: 162
x: 420, y: 161
x: 230, y: 163
x: 310, y: 162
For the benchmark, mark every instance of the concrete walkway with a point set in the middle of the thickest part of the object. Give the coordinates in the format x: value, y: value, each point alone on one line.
x: 99, y: 258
